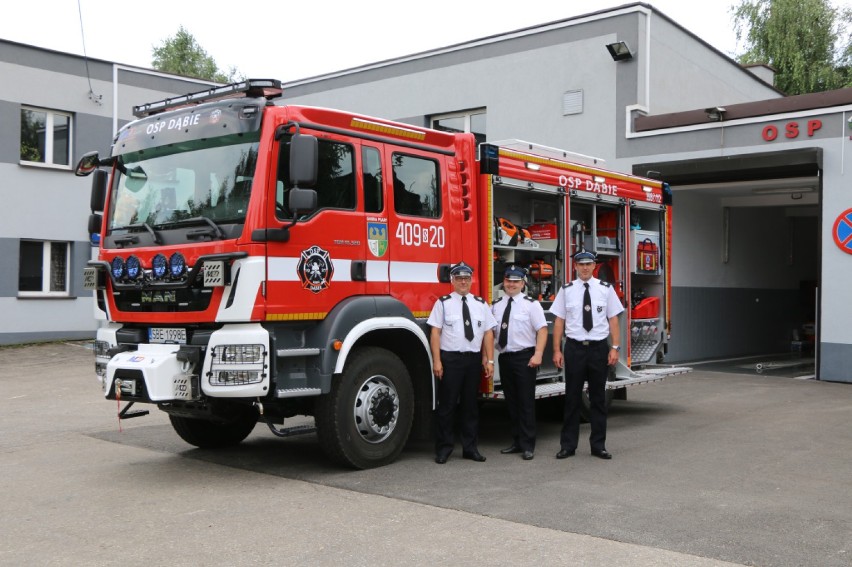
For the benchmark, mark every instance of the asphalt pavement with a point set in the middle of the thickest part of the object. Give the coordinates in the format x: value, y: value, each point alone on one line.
x: 709, y: 468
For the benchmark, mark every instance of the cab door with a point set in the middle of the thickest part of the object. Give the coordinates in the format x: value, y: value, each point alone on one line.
x: 323, y: 260
x: 420, y: 217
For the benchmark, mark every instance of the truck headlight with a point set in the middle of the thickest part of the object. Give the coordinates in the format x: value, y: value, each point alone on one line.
x: 237, y: 365
x: 100, y: 348
x: 238, y: 354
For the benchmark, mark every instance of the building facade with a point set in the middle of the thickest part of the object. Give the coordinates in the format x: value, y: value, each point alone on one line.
x: 761, y: 249
x: 757, y: 185
x: 54, y: 107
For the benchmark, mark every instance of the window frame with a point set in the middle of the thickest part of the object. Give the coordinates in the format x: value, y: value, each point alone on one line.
x: 46, y: 273
x: 466, y: 115
x: 438, y: 185
x: 49, y: 141
x: 281, y: 190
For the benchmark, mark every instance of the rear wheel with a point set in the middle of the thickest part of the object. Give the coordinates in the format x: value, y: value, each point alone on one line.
x: 365, y: 420
x: 206, y: 434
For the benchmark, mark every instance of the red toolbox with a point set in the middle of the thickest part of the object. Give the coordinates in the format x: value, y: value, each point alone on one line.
x: 545, y: 231
x: 648, y: 308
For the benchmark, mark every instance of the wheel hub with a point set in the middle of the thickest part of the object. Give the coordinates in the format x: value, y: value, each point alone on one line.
x: 376, y: 409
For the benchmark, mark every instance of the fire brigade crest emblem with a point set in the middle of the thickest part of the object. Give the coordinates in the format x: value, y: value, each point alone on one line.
x: 315, y: 269
x: 377, y: 238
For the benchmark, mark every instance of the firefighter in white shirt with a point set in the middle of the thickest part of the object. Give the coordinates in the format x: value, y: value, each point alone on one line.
x: 586, y: 311
x: 521, y: 337
x: 462, y: 337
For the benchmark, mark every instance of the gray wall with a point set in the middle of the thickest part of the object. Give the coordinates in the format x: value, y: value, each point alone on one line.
x: 520, y: 79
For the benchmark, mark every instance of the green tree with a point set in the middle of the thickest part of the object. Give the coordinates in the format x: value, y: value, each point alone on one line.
x: 182, y: 55
x: 806, y: 41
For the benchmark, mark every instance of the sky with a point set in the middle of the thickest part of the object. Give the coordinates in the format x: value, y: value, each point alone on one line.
x: 289, y: 40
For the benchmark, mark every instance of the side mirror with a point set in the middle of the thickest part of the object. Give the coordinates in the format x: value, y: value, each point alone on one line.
x: 99, y: 187
x: 95, y: 221
x: 302, y: 200
x: 87, y: 164
x: 304, y: 160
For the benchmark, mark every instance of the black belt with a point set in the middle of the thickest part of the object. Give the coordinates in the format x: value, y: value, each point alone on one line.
x: 529, y: 350
x: 584, y: 343
x: 462, y: 352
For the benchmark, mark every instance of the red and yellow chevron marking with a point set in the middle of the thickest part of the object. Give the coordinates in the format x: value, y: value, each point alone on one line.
x: 385, y: 129
x: 295, y: 316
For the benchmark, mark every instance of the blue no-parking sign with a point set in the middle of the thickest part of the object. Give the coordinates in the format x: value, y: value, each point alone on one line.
x: 842, y: 232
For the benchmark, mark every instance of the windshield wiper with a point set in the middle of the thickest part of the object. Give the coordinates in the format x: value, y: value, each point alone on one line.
x: 146, y: 226
x: 217, y: 230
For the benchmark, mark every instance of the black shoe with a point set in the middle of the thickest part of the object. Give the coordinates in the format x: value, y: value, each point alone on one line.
x: 475, y: 456
x: 510, y: 449
x: 602, y: 454
x: 528, y: 455
x: 565, y: 453
x: 441, y: 458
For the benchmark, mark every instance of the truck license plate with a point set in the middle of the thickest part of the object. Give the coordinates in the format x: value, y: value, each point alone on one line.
x: 90, y: 278
x: 167, y: 335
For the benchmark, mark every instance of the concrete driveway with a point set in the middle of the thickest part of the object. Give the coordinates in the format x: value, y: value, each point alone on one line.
x: 708, y: 468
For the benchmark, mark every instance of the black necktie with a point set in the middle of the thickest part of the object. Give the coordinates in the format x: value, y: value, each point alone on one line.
x: 504, y: 328
x: 587, y: 309
x: 468, y: 328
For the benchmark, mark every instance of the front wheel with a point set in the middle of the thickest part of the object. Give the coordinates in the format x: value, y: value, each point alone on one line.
x: 365, y: 420
x: 206, y: 434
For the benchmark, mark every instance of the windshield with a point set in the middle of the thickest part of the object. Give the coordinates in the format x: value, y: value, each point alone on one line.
x: 202, y: 181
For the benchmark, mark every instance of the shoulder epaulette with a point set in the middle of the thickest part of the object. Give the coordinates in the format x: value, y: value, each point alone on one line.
x: 496, y: 301
x: 569, y: 284
x: 444, y: 298
x: 528, y: 298
x: 606, y: 284
x: 479, y: 299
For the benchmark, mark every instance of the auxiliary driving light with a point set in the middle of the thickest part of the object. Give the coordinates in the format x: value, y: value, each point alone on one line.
x: 134, y: 268
x: 159, y: 265
x: 177, y: 265
x: 235, y: 377
x: 117, y: 267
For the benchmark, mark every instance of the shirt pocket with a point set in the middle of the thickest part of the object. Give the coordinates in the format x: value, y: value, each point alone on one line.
x: 520, y: 317
x: 452, y: 322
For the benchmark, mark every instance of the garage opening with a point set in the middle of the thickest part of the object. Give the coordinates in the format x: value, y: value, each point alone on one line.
x: 746, y: 260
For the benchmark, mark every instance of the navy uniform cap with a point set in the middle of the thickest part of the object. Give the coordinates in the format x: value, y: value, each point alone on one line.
x: 584, y: 257
x: 514, y: 273
x: 461, y: 269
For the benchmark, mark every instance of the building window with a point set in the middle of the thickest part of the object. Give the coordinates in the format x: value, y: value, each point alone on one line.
x: 43, y: 268
x: 472, y: 121
x: 45, y: 137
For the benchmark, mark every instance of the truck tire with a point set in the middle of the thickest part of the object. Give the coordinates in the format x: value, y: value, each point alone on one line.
x: 206, y: 434
x: 585, y: 409
x: 365, y: 420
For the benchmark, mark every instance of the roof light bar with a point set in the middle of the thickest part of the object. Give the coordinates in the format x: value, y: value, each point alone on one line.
x: 267, y: 88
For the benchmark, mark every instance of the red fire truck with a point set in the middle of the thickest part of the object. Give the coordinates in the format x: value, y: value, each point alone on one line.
x: 260, y: 262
